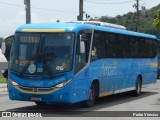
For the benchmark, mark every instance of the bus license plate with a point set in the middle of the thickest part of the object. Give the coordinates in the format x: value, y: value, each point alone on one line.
x: 36, y: 98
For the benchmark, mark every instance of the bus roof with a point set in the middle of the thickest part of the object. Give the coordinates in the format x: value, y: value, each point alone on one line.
x: 75, y: 27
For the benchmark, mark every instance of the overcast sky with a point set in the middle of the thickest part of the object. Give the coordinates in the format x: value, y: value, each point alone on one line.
x: 12, y: 12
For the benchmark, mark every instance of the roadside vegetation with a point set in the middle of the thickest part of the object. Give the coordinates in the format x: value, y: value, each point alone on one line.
x: 145, y: 22
x: 2, y: 80
x: 156, y: 22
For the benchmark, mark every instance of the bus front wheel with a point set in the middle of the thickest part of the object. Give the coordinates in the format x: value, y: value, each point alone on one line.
x: 40, y: 103
x: 92, y: 95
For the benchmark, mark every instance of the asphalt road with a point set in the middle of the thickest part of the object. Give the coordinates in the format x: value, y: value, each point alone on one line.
x: 148, y: 101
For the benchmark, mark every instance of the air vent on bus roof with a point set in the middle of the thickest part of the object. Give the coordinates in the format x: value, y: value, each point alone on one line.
x: 101, y: 24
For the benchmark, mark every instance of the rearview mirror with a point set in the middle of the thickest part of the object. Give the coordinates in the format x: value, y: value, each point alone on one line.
x: 8, y: 43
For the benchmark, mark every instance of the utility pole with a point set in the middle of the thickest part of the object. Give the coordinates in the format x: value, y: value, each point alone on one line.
x: 137, y: 14
x: 28, y: 11
x: 80, y: 17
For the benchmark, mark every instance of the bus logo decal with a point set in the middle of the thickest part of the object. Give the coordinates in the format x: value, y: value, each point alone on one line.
x: 108, y: 70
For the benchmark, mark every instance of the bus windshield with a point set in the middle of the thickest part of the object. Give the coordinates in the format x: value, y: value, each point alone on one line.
x: 47, y: 53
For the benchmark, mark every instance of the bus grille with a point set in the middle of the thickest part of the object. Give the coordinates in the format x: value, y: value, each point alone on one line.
x: 35, y: 89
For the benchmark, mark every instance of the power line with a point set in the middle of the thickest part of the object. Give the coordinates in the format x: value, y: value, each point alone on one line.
x: 37, y: 8
x: 109, y: 3
x: 102, y: 0
x: 11, y: 4
x: 53, y: 10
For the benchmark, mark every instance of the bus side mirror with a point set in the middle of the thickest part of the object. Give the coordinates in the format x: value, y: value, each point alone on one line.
x: 3, y: 47
x: 7, y: 46
x: 82, y: 45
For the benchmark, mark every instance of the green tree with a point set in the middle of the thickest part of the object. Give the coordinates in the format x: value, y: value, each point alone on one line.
x: 156, y: 22
x: 1, y: 39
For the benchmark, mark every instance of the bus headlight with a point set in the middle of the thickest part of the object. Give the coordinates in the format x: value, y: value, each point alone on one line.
x: 63, y: 84
x: 12, y: 82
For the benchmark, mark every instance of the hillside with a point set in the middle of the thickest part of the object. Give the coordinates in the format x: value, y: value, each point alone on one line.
x: 129, y: 21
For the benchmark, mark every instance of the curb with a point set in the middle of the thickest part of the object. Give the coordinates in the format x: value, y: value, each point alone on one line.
x: 3, y: 85
x: 3, y: 88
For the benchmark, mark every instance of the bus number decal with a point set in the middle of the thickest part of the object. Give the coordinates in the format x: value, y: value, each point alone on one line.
x: 60, y: 68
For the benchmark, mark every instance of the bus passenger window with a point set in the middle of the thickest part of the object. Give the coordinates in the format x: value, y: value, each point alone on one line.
x: 134, y: 48
x: 94, y: 53
x: 99, y: 46
x: 111, y: 46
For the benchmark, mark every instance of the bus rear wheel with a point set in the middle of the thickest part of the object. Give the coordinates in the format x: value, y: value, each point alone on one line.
x: 137, y: 91
x: 92, y: 96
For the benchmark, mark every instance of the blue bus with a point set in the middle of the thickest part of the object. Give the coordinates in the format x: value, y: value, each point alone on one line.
x: 79, y: 61
x: 158, y: 46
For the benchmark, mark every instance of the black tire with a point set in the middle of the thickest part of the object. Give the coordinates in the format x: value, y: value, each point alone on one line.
x: 92, y: 96
x: 40, y: 103
x: 137, y: 91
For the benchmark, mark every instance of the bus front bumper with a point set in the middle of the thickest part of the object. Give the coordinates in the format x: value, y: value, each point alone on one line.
x: 59, y: 95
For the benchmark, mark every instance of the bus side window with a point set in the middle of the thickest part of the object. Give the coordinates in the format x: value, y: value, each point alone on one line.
x: 124, y: 46
x: 149, y: 50
x: 134, y: 48
x: 95, y: 48
x: 142, y: 48
x: 99, y: 46
x: 111, y: 45
x: 154, y: 48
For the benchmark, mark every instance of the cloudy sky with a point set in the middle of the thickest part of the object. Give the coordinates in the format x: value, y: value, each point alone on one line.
x: 12, y: 12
